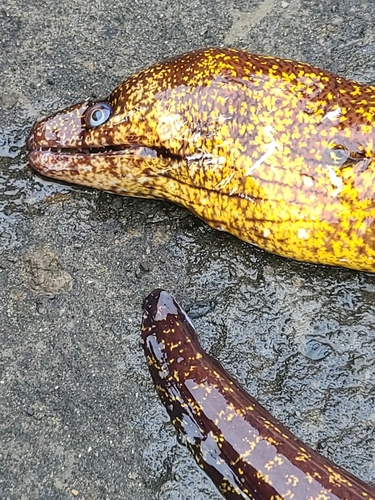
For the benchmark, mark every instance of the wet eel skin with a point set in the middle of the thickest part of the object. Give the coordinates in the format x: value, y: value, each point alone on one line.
x: 246, y: 452
x: 276, y: 152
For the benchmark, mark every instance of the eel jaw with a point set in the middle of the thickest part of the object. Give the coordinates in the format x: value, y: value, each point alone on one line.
x: 55, y: 154
x: 49, y: 161
x: 132, y: 171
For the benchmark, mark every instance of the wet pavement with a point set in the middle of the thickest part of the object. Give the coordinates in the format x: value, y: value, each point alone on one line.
x: 79, y: 417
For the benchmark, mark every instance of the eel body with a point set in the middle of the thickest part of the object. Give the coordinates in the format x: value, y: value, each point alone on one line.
x: 276, y: 152
x: 246, y: 452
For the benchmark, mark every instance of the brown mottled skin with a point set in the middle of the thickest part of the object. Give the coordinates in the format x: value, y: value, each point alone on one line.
x: 276, y: 152
x: 246, y: 452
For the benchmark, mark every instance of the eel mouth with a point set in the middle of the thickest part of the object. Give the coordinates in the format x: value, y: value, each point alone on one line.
x: 84, y: 150
x: 47, y: 159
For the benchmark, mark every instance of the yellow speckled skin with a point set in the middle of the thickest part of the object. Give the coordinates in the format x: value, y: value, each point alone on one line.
x: 246, y: 452
x: 276, y: 152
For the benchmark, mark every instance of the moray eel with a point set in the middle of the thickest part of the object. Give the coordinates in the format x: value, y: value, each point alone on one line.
x: 276, y: 152
x: 246, y: 452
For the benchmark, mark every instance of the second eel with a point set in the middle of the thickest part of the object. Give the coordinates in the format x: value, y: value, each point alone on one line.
x: 246, y: 452
x: 276, y: 152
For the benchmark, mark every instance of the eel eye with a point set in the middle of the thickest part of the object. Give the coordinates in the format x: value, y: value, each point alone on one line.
x: 98, y: 114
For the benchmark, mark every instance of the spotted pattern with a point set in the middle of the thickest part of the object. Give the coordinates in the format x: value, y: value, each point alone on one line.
x: 276, y: 152
x: 246, y: 452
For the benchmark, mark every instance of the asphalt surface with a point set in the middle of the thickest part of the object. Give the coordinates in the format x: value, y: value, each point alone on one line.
x: 79, y: 417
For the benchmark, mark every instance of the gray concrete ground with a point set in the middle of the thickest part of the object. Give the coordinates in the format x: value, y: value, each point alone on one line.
x: 79, y: 417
